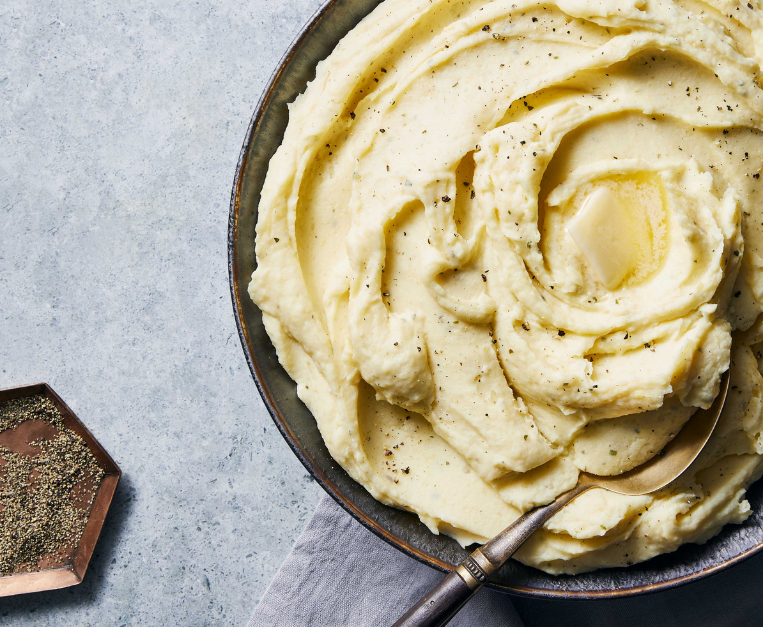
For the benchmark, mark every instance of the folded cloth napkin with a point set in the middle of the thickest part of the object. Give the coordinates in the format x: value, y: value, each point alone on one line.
x: 341, y: 575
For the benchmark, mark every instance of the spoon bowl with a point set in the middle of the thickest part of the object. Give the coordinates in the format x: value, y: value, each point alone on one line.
x: 673, y: 460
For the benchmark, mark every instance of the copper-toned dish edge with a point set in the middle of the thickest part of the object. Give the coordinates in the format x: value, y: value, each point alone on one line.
x: 73, y: 573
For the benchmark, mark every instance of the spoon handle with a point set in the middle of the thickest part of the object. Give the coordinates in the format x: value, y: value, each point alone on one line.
x: 443, y: 602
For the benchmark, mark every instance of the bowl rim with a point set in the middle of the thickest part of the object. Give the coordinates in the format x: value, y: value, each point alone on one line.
x: 271, y: 404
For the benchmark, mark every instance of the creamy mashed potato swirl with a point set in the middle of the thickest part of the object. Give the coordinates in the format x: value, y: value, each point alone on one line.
x: 504, y: 242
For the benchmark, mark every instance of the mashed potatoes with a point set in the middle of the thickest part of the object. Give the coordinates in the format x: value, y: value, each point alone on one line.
x: 503, y: 242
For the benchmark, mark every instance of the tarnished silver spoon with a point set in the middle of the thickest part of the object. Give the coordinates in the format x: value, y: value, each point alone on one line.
x: 443, y: 601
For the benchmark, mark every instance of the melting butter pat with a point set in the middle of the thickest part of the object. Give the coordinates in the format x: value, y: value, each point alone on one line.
x: 603, y: 230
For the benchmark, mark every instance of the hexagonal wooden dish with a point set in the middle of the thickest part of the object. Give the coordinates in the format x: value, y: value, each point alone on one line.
x: 71, y: 570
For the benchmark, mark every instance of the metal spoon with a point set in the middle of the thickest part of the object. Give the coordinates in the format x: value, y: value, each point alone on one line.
x: 442, y: 602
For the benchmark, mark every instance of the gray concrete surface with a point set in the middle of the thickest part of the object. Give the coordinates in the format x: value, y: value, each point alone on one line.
x: 120, y: 127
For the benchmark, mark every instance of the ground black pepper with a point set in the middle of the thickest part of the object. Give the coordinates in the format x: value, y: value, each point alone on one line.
x: 45, y: 498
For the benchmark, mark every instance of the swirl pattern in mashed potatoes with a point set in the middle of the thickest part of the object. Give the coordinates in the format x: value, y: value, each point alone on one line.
x: 503, y: 242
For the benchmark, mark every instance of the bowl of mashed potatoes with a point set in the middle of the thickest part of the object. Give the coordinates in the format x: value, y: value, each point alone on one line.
x: 479, y: 247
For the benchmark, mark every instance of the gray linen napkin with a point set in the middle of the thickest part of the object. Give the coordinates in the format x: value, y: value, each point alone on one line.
x: 339, y: 574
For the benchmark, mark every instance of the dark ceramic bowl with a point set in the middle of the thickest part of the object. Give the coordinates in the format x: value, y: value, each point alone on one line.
x: 297, y: 425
